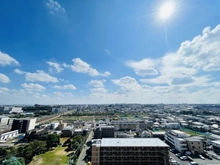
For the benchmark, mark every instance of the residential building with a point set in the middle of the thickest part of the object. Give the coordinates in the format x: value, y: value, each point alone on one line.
x: 67, y: 131
x: 131, y: 151
x: 23, y: 125
x: 4, y: 120
x: 176, y: 139
x: 216, y: 146
x: 104, y: 131
x: 195, y: 145
x: 129, y: 125
x: 8, y: 135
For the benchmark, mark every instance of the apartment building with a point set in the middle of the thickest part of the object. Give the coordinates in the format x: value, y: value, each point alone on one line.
x: 194, y: 145
x: 4, y: 120
x: 59, y: 110
x: 176, y: 139
x: 130, y: 151
x: 134, y: 125
x: 104, y: 131
x: 8, y: 135
x: 216, y: 146
x: 23, y: 125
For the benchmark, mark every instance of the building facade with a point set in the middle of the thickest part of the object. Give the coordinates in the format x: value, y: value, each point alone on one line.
x: 23, y: 125
x: 8, y: 135
x: 104, y: 131
x: 132, y: 151
x: 216, y: 146
x: 195, y: 145
x: 4, y: 120
x: 176, y: 139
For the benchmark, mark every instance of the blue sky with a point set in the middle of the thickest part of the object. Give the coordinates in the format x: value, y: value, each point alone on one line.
x: 117, y: 51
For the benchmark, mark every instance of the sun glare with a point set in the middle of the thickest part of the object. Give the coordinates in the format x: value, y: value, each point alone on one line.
x: 166, y: 10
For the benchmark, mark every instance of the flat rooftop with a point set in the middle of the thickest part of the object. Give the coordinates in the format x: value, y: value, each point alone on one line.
x: 132, y: 142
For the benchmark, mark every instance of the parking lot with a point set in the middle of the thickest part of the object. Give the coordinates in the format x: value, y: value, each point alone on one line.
x: 195, y: 159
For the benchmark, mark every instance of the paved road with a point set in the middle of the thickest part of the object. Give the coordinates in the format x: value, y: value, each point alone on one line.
x: 178, y: 160
x: 82, y: 155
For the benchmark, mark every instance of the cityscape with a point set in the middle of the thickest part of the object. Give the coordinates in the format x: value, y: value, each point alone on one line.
x: 110, y: 82
x: 159, y: 134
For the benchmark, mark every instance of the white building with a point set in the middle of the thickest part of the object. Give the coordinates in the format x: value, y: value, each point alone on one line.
x: 59, y: 110
x: 8, y: 135
x: 172, y: 125
x: 4, y: 120
x: 23, y: 125
x: 176, y: 138
x: 16, y: 110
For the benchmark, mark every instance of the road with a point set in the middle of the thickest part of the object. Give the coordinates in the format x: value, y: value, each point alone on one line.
x: 178, y: 160
x: 82, y: 155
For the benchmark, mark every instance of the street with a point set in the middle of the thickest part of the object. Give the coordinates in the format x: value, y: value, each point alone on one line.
x: 82, y: 155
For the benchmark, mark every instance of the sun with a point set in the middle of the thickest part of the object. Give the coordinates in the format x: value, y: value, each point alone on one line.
x: 166, y: 10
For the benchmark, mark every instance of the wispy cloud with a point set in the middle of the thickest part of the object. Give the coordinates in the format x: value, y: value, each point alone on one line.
x: 39, y: 75
x: 97, y: 83
x: 55, y: 67
x: 5, y: 59
x: 54, y: 7
x: 69, y: 86
x: 33, y: 87
x: 107, y: 51
x: 4, y: 78
x: 81, y: 66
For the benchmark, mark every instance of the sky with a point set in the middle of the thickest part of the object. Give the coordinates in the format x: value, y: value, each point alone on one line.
x: 103, y: 52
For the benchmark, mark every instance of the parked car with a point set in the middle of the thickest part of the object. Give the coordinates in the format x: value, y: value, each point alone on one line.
x: 178, y: 155
x: 192, y: 163
x: 202, y: 157
x: 173, y: 162
x: 183, y: 157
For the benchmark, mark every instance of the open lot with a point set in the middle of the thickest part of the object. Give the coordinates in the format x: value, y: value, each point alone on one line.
x: 56, y: 156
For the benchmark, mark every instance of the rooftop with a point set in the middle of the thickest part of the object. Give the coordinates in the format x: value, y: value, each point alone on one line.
x: 133, y: 142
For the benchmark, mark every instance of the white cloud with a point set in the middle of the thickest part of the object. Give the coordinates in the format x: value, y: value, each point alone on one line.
x: 5, y: 59
x: 3, y: 90
x: 18, y: 71
x: 144, y: 67
x: 98, y: 90
x: 80, y: 66
x: 60, y: 94
x: 55, y: 67
x: 39, y: 75
x: 55, y: 7
x: 128, y: 84
x: 97, y: 83
x: 4, y: 78
x: 203, y: 52
x: 33, y: 87
x: 69, y: 86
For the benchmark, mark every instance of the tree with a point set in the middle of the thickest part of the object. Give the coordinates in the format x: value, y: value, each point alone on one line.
x: 37, y: 146
x: 52, y: 140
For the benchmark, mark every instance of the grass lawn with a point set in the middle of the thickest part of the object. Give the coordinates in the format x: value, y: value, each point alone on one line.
x: 51, y: 157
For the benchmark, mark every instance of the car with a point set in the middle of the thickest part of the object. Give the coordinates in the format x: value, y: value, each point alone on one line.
x: 202, y: 157
x: 173, y: 162
x: 178, y: 155
x: 192, y: 163
x: 183, y: 157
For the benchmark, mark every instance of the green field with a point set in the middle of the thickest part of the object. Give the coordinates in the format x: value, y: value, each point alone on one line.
x: 56, y: 156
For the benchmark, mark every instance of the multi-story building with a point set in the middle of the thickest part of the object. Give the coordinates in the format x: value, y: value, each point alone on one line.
x: 23, y: 125
x: 8, y: 135
x: 216, y: 146
x: 130, y: 151
x: 176, y: 139
x: 194, y: 145
x: 104, y: 131
x: 4, y: 120
x: 129, y: 125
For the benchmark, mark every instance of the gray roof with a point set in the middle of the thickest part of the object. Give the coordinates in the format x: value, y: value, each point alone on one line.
x: 192, y: 139
x: 132, y: 142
